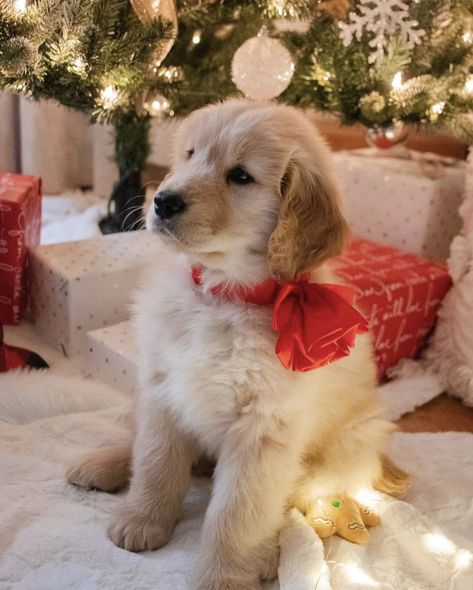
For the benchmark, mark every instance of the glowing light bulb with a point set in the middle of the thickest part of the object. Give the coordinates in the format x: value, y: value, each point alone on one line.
x: 282, y: 9
x: 469, y: 85
x: 197, y: 37
x: 157, y: 105
x: 438, y: 107
x: 169, y: 74
x: 279, y: 7
x: 369, y: 498
x: 20, y: 5
x: 78, y: 64
x: 396, y: 83
x: 109, y: 96
x: 358, y: 576
x: 438, y: 543
x: 463, y: 559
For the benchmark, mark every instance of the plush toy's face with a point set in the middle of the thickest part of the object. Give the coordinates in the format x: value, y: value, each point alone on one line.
x: 248, y: 180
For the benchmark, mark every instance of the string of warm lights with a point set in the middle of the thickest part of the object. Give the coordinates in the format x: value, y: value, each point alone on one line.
x: 376, y: 107
x: 436, y: 108
x: 109, y: 96
x: 320, y: 566
x: 178, y: 56
x: 20, y: 5
x: 444, y: 549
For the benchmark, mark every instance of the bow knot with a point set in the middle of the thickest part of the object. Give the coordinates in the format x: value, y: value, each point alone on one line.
x: 316, y: 323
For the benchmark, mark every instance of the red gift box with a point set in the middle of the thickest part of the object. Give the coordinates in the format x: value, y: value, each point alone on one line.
x: 20, y: 224
x: 399, y: 294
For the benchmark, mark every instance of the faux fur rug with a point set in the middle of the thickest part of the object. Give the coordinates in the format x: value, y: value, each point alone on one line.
x: 53, y: 536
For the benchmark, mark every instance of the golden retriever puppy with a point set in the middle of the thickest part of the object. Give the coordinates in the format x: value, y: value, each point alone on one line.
x: 250, y: 196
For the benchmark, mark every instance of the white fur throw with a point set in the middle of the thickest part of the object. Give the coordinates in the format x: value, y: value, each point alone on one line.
x: 53, y: 536
x: 450, y: 353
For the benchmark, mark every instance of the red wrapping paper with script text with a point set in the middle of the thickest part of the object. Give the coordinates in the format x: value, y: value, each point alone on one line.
x: 398, y: 293
x: 20, y: 224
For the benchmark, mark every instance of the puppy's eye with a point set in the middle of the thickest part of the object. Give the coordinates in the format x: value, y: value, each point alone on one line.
x: 239, y: 176
x: 189, y: 154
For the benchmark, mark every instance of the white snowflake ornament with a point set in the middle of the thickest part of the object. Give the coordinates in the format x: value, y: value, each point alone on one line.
x: 382, y: 18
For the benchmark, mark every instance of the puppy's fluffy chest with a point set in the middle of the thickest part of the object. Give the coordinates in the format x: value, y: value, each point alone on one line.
x: 211, y: 361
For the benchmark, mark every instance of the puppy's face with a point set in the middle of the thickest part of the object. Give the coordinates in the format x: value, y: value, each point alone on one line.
x: 223, y: 202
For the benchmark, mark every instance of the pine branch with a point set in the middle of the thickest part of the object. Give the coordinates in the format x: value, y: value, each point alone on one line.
x: 97, y: 56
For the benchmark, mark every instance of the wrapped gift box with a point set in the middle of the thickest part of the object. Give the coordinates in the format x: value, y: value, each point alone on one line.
x: 410, y: 202
x: 398, y: 293
x: 86, y: 285
x: 20, y: 221
x: 111, y: 357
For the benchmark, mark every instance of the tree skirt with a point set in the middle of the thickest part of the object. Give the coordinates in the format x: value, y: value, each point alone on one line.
x: 72, y: 216
x: 53, y: 536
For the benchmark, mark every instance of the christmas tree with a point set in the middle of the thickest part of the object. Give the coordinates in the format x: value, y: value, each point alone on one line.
x: 389, y: 61
x: 377, y: 62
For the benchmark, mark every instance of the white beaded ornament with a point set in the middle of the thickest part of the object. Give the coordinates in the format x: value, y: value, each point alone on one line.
x: 262, y: 67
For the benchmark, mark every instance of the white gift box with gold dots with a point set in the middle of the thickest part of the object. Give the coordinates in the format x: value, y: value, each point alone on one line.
x: 81, y: 286
x: 409, y: 201
x: 111, y: 357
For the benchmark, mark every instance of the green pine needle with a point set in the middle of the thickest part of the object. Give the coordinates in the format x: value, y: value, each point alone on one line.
x: 97, y: 56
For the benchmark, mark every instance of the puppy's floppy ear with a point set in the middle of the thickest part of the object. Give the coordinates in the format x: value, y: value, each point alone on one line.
x: 310, y: 227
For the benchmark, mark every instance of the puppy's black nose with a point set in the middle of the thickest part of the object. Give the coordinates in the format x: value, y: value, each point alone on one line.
x: 167, y: 204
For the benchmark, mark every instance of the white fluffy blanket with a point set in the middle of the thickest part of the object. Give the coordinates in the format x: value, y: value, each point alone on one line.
x: 53, y: 536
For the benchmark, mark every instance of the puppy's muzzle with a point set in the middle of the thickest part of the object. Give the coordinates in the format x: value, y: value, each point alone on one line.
x: 168, y: 204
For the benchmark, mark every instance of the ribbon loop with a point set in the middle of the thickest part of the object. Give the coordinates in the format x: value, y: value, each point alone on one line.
x: 316, y: 323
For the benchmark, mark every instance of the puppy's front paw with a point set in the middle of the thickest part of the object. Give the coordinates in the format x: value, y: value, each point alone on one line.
x: 137, y: 531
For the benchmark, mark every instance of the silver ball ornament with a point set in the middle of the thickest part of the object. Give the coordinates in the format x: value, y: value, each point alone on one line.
x: 386, y: 137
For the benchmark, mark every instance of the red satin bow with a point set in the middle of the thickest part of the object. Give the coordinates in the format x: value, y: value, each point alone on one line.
x: 316, y: 323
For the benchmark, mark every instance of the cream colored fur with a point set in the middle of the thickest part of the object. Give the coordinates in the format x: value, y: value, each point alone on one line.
x: 210, y: 380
